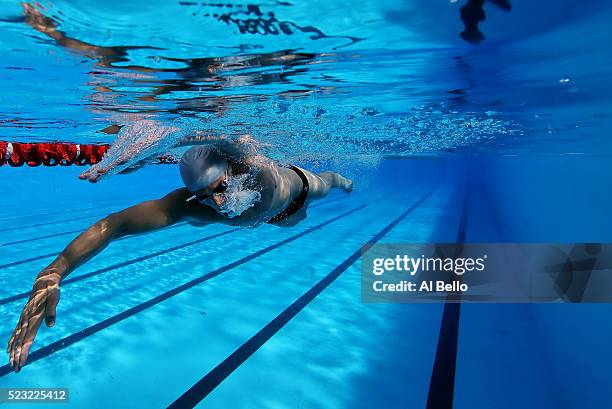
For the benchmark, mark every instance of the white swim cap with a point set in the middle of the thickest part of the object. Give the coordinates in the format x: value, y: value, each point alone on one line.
x: 200, y: 166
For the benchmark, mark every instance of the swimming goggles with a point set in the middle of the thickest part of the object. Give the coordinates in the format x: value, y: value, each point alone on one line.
x: 222, y: 187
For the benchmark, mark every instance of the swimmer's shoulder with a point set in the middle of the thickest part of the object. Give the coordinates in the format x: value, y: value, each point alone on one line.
x: 273, y: 180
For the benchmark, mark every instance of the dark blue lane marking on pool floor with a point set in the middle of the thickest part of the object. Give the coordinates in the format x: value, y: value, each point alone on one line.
x: 62, y: 234
x: 442, y: 384
x: 212, y: 379
x: 37, y: 215
x: 27, y: 260
x: 113, y: 204
x: 73, y: 338
x: 54, y: 205
x: 122, y: 264
x: 46, y: 205
x: 54, y: 222
x: 48, y: 236
x: 19, y: 207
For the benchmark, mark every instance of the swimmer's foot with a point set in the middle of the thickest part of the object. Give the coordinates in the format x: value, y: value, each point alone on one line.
x: 336, y: 180
x: 345, y: 184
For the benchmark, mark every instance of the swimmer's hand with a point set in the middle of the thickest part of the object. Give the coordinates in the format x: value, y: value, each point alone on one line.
x: 137, y: 143
x: 37, y: 20
x: 42, y: 304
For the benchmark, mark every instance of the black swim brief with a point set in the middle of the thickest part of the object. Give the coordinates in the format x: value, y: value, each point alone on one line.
x: 297, y: 203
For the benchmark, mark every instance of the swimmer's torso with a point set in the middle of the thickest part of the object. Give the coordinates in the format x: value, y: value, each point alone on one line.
x: 278, y: 187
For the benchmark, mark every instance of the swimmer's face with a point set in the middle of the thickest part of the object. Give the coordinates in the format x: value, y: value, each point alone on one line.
x: 213, y: 193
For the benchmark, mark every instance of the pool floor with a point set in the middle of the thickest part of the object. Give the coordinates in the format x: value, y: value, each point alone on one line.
x: 269, y: 317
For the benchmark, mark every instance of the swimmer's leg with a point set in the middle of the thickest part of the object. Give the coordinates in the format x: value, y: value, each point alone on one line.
x: 325, y: 181
x: 336, y: 180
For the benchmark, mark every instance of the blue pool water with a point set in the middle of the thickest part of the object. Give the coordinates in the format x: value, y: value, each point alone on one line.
x: 505, y: 141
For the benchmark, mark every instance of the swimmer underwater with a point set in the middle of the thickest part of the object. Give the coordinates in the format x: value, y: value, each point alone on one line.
x: 225, y: 181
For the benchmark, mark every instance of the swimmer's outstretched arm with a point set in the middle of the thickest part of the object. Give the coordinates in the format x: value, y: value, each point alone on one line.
x: 141, y: 218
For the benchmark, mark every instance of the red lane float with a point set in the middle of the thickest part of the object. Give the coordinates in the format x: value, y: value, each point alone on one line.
x: 56, y: 153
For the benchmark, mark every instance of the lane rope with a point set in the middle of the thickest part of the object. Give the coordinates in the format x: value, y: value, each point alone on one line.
x: 17, y: 154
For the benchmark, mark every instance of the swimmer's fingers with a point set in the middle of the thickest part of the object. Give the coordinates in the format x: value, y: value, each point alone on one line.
x: 24, y: 323
x: 101, y: 172
x: 42, y: 303
x: 94, y: 173
x: 51, y: 305
x: 16, y: 332
x: 90, y: 175
x: 25, y: 350
x: 102, y: 168
x: 94, y: 170
x: 105, y: 169
x: 29, y: 10
x: 85, y: 175
x: 29, y: 322
x: 14, y: 344
x: 23, y: 343
x: 120, y: 165
x: 13, y: 336
x: 36, y: 19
